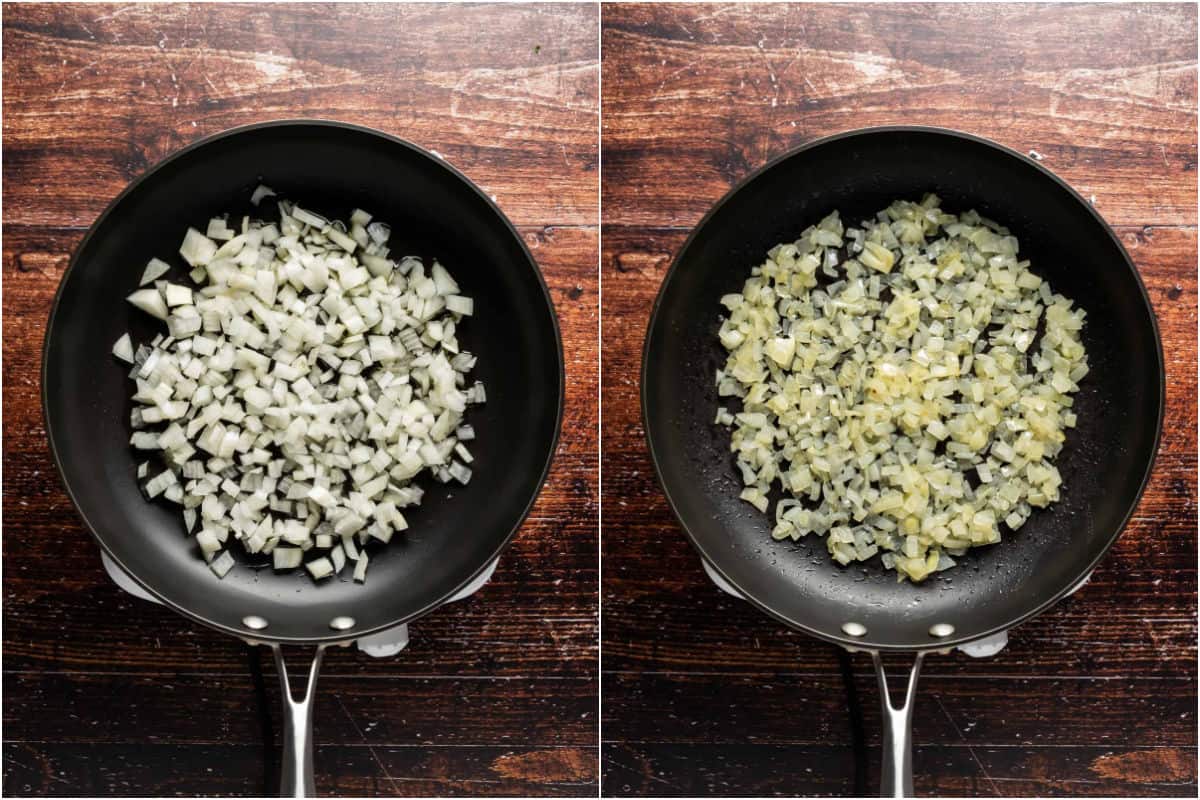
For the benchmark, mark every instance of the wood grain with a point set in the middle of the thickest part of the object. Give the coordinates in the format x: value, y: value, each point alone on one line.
x: 95, y: 94
x: 706, y: 696
x: 349, y: 770
x: 380, y: 709
x: 105, y: 694
x: 824, y: 770
x: 704, y: 95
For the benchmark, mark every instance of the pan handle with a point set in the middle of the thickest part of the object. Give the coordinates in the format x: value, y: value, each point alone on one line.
x: 897, y: 773
x: 297, y: 777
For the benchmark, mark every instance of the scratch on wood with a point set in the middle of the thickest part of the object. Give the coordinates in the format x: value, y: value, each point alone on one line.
x: 970, y: 749
x: 362, y: 737
x: 119, y: 12
x: 72, y: 76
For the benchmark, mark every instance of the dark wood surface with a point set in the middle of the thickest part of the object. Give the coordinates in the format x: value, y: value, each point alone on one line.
x: 704, y: 695
x: 105, y: 694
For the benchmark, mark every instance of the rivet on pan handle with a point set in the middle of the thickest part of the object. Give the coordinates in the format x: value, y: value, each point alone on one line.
x: 297, y: 778
x: 897, y: 777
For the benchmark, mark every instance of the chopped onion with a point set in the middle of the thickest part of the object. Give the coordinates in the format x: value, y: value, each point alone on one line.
x: 197, y: 249
x: 155, y: 269
x: 150, y: 301
x: 177, y: 295
x: 286, y: 558
x: 302, y: 387
x: 260, y: 193
x: 222, y: 564
x: 217, y: 229
x: 379, y: 232
x: 309, y: 218
x: 123, y: 349
x: 320, y: 568
x: 878, y: 367
x: 460, y: 305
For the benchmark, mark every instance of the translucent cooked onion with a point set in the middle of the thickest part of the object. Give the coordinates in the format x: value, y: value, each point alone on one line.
x: 907, y: 384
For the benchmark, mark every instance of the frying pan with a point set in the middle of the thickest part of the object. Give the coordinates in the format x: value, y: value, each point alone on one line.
x: 454, y: 535
x: 1105, y: 463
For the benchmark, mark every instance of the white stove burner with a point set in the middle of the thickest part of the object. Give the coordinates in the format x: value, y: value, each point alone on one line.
x: 384, y: 644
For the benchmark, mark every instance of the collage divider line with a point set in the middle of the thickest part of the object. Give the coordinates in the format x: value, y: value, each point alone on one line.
x: 599, y: 400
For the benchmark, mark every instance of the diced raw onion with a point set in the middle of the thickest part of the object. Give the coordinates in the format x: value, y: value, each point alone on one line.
x: 197, y: 249
x: 287, y: 557
x: 260, y: 193
x: 155, y: 269
x: 150, y: 301
x: 302, y: 388
x: 123, y: 349
x: 320, y: 568
x: 460, y: 305
x: 222, y: 564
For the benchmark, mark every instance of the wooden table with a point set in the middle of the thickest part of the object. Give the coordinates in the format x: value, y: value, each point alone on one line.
x: 704, y: 695
x: 105, y: 694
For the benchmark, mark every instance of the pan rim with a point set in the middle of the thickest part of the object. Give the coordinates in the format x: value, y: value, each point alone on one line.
x: 331, y: 638
x: 866, y: 643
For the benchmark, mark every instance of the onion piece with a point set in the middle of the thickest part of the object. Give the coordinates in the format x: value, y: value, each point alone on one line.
x: 320, y: 568
x: 123, y: 349
x: 155, y: 269
x: 260, y: 193
x: 460, y: 305
x: 379, y: 232
x: 197, y: 249
x: 222, y: 564
x: 309, y: 218
x: 150, y: 301
x: 286, y: 558
x: 177, y: 295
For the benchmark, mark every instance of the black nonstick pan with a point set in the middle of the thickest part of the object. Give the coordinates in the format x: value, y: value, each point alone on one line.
x: 456, y: 532
x: 1105, y: 464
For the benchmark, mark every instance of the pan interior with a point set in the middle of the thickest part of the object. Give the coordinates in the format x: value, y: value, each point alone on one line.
x: 434, y: 213
x: 1103, y: 464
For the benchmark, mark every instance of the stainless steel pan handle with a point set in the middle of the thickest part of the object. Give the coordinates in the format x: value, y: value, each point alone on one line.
x: 297, y: 778
x: 897, y: 773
